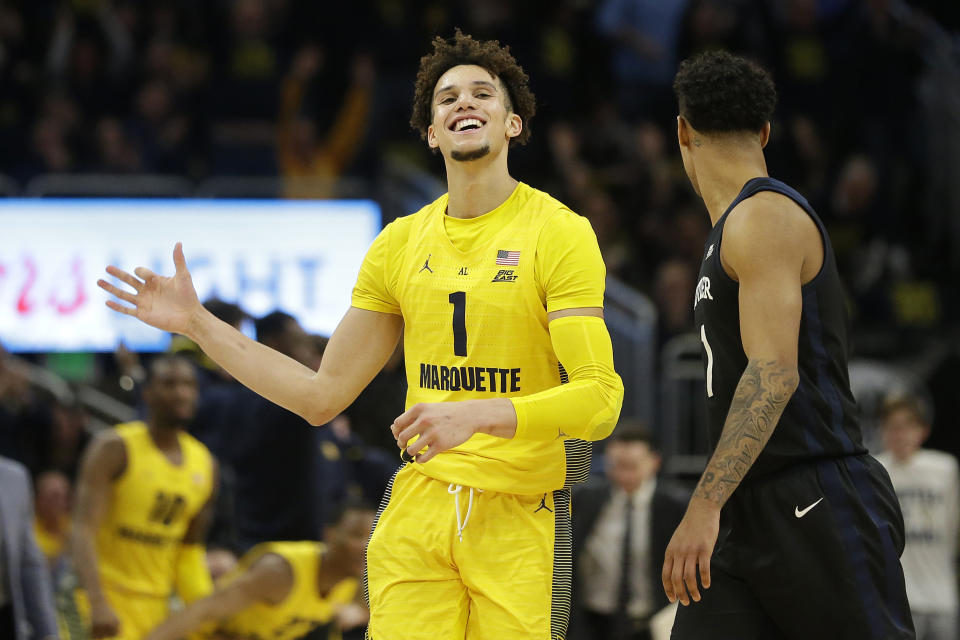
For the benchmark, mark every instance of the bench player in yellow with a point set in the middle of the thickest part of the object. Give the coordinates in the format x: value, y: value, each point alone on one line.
x: 144, y: 501
x: 497, y: 289
x: 282, y: 590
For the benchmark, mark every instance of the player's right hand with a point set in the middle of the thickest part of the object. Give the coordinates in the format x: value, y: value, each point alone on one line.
x: 104, y: 623
x: 165, y: 303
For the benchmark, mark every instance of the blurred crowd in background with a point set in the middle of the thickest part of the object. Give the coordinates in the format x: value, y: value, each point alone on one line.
x: 298, y: 89
x: 317, y: 97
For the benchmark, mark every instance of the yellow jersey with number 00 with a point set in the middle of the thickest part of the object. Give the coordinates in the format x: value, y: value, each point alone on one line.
x: 152, y: 505
x: 474, y: 296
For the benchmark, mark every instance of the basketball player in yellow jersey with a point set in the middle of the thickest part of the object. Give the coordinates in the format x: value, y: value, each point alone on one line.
x: 497, y: 289
x: 282, y: 590
x: 144, y: 500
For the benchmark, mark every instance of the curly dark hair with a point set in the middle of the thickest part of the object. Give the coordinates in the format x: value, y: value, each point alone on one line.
x: 719, y: 92
x: 463, y: 49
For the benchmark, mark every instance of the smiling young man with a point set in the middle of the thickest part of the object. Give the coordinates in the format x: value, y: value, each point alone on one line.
x: 810, y: 528
x: 497, y: 289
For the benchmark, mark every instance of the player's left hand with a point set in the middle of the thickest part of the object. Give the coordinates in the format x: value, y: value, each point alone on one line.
x: 440, y: 425
x: 690, y: 547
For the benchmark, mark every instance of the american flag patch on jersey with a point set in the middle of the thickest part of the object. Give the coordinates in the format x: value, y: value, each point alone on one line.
x: 508, y: 258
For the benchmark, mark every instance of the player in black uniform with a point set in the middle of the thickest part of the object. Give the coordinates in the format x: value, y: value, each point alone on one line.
x: 809, y: 527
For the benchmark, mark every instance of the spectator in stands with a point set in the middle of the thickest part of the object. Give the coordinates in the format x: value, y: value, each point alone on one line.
x: 91, y: 52
x: 349, y: 469
x: 673, y: 282
x: 26, y: 597
x: 372, y: 413
x: 49, y: 151
x: 928, y: 486
x: 282, y: 590
x: 25, y: 418
x: 160, y: 131
x: 273, y: 452
x: 644, y: 35
x: 115, y: 152
x: 621, y: 527
x: 316, y: 143
x: 67, y: 437
x: 51, y: 524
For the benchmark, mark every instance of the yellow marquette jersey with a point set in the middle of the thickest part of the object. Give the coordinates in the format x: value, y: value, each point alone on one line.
x: 474, y: 295
x: 303, y: 608
x: 152, y: 505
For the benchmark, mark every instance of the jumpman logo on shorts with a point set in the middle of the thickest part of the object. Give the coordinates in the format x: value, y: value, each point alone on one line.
x: 426, y: 264
x: 543, y: 505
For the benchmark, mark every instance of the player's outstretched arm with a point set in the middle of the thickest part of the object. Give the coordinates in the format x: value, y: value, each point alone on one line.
x: 268, y: 580
x: 761, y: 244
x: 358, y: 349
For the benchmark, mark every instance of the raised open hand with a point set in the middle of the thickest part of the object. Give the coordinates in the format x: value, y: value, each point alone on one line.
x: 164, y: 303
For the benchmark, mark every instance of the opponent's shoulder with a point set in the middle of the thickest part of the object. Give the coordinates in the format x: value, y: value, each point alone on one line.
x: 766, y: 229
x: 769, y: 214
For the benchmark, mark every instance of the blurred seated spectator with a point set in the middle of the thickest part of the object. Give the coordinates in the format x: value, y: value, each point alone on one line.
x: 115, y: 152
x: 282, y: 590
x: 91, y: 52
x: 622, y: 523
x: 51, y: 524
x: 349, y: 469
x: 64, y: 442
x: 927, y: 483
x: 159, y: 129
x: 25, y: 418
x: 272, y: 452
x: 644, y: 36
x: 247, y: 63
x: 49, y: 150
x: 673, y: 282
x: 26, y: 597
x: 374, y: 410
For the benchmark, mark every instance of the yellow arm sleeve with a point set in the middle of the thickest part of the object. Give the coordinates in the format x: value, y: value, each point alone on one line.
x: 587, y: 407
x: 193, y: 577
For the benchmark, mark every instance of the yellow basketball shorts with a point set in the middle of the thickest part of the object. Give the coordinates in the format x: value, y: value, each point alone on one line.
x: 138, y: 613
x: 447, y: 562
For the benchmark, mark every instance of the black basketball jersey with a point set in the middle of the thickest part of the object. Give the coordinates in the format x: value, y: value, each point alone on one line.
x: 820, y: 421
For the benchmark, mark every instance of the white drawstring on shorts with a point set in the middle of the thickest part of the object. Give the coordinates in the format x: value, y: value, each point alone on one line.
x: 455, y: 490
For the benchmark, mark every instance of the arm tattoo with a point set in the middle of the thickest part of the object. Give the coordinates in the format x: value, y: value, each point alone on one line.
x: 762, y: 394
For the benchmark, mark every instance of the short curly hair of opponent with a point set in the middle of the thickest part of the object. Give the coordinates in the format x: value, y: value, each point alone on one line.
x: 463, y: 49
x: 719, y: 92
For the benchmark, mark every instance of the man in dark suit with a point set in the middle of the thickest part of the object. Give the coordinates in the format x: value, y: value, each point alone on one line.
x: 622, y: 524
x: 26, y: 597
